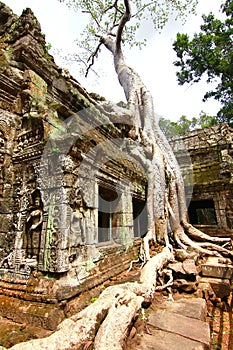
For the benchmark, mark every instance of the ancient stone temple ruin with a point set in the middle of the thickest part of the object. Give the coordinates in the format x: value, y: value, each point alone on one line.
x: 72, y: 200
x: 209, y: 187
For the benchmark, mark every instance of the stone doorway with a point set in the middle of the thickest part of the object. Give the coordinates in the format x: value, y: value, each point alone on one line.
x: 202, y: 212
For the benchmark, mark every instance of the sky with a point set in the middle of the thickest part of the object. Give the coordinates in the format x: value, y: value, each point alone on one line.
x: 154, y: 63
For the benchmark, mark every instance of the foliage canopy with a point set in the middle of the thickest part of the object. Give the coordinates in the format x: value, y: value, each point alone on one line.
x: 185, y: 125
x: 104, y: 18
x: 209, y: 54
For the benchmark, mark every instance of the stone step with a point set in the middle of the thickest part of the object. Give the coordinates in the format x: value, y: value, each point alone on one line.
x: 213, y: 268
x: 160, y: 340
x: 187, y: 327
x: 193, y: 308
x: 178, y: 325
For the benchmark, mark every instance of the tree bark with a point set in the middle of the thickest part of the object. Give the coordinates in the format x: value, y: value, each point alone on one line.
x: 166, y: 203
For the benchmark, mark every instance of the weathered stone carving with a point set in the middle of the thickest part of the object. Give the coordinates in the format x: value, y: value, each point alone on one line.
x: 34, y: 228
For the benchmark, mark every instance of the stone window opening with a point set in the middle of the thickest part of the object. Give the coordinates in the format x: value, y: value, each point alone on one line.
x: 202, y: 212
x: 108, y: 200
x: 140, y: 220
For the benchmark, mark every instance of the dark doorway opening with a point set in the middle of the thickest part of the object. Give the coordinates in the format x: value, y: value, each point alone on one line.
x: 202, y: 212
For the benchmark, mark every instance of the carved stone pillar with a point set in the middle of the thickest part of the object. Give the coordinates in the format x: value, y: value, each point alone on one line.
x: 122, y: 220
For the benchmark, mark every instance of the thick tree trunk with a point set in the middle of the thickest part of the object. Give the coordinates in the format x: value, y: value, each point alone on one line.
x: 166, y: 203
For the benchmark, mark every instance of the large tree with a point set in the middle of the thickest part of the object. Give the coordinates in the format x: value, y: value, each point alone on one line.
x: 167, y: 214
x: 113, y: 23
x: 209, y: 55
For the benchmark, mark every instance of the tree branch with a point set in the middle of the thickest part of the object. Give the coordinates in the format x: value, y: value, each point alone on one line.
x: 93, y: 17
x: 142, y: 9
x: 125, y: 18
x: 92, y: 58
x: 108, y: 43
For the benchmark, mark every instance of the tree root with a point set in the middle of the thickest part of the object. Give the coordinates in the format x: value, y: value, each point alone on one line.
x: 114, y: 328
x: 201, y: 236
x: 166, y: 272
x: 142, y: 261
x: 212, y: 246
x: 107, y: 320
x: 184, y: 241
x: 180, y: 235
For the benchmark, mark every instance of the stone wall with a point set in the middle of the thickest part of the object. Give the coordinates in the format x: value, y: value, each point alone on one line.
x: 209, y: 186
x: 68, y: 190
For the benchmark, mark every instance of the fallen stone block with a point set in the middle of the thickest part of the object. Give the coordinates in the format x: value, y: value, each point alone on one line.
x: 177, y: 267
x: 182, y: 254
x: 186, y: 269
x: 184, y: 286
x: 221, y: 287
x: 189, y: 267
x: 213, y: 268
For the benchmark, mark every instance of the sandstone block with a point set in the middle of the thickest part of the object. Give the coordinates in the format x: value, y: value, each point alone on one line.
x: 193, y: 308
x: 212, y: 268
x: 46, y: 316
x: 189, y: 267
x: 181, y: 325
x: 221, y: 287
x: 186, y: 269
x: 184, y: 286
x: 163, y: 341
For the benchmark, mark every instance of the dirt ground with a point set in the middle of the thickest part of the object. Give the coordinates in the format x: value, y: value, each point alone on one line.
x: 12, y: 333
x: 220, y: 317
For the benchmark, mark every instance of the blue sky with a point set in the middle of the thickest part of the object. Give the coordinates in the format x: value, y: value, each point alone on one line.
x: 154, y: 63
